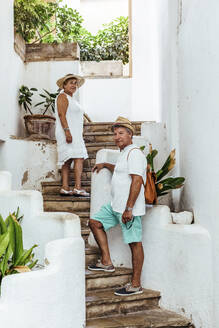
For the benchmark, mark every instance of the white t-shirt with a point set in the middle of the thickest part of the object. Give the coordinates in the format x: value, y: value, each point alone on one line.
x: 135, y: 163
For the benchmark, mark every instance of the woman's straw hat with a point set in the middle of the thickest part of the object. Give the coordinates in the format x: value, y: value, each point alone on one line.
x: 61, y: 81
x: 124, y: 122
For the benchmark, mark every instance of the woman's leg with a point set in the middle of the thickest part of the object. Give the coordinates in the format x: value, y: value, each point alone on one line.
x: 65, y: 174
x: 78, y: 168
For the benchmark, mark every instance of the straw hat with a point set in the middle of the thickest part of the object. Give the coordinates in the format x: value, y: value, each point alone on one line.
x: 124, y: 122
x: 61, y: 81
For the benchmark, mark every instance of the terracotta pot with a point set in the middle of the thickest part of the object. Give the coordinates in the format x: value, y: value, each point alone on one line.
x: 40, y: 126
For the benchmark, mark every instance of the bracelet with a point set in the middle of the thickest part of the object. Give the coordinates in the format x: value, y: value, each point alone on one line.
x: 129, y: 208
x: 66, y: 129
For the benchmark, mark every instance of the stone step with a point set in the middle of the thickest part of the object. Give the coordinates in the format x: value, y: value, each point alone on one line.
x: 56, y: 203
x: 93, y: 147
x: 90, y: 137
x: 101, y: 280
x: 107, y: 126
x: 84, y: 217
x: 53, y: 187
x: 154, y: 317
x: 101, y: 303
x: 92, y: 254
x: 86, y: 174
x: 85, y: 232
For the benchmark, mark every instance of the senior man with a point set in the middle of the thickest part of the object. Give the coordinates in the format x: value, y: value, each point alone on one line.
x: 127, y: 205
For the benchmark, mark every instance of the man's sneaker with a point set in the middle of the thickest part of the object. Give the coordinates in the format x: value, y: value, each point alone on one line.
x: 101, y: 267
x: 129, y: 290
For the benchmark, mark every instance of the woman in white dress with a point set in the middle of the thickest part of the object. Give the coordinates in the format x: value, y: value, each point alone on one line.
x: 69, y: 133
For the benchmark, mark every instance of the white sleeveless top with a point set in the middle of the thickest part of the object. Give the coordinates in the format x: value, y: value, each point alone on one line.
x: 74, y: 116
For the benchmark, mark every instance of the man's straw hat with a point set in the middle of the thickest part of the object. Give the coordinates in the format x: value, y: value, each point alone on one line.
x: 61, y: 81
x: 124, y: 122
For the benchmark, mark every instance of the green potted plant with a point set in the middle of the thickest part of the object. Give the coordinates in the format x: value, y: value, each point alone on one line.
x: 38, y: 126
x: 164, y: 185
x: 13, y: 257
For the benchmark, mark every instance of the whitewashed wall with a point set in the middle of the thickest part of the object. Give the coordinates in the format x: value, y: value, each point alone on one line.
x: 145, y: 53
x: 30, y: 162
x: 11, y: 73
x: 199, y: 118
x: 106, y: 99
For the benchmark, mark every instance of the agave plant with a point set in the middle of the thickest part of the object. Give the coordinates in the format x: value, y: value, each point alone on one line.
x: 163, y: 186
x: 13, y: 257
x: 49, y: 101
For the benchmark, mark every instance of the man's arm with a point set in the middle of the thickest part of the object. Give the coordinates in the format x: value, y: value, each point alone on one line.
x: 133, y: 195
x: 98, y: 167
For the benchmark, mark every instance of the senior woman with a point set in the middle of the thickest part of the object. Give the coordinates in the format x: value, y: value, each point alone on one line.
x: 69, y: 133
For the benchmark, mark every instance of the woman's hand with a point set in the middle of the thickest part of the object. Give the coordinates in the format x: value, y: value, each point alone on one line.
x: 68, y: 136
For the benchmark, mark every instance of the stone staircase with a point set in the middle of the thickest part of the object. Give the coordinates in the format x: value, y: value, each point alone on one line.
x: 104, y: 309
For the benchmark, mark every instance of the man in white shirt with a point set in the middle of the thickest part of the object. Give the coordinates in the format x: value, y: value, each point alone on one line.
x: 127, y: 205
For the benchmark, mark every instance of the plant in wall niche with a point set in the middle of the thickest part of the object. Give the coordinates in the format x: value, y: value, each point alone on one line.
x: 163, y: 186
x: 13, y: 257
x: 38, y: 126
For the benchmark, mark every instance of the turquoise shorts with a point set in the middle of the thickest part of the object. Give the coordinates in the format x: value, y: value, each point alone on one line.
x: 132, y: 231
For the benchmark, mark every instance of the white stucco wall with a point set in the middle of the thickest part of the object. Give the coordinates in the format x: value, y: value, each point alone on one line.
x: 11, y: 73
x: 30, y: 162
x: 145, y: 61
x: 106, y: 99
x: 198, y: 75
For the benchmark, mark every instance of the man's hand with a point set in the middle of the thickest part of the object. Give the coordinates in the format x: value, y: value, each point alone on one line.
x: 127, y: 216
x: 98, y: 167
x: 68, y: 136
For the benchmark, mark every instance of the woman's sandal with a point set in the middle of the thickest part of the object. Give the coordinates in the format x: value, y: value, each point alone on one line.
x: 80, y: 193
x: 64, y: 192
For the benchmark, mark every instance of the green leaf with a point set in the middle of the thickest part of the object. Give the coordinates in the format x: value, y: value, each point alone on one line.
x: 40, y: 103
x: 3, y: 227
x: 4, y: 262
x: 16, y: 239
x: 25, y: 256
x: 33, y: 264
x: 4, y: 241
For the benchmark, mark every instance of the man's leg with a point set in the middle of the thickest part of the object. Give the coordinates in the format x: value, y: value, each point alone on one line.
x: 101, y: 239
x: 137, y: 262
